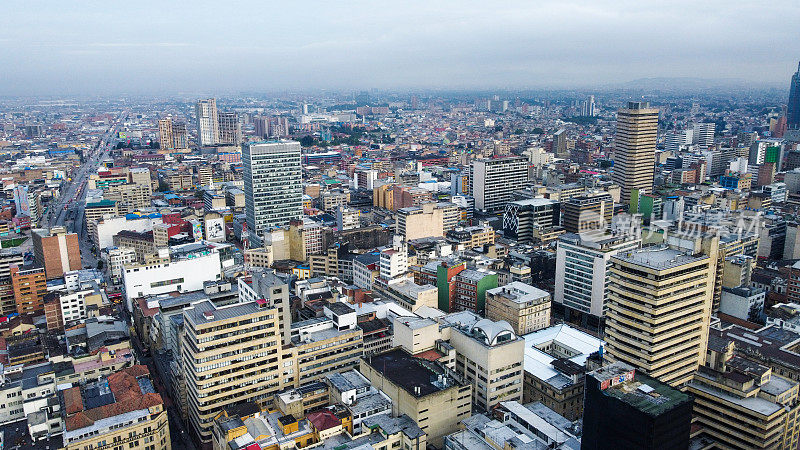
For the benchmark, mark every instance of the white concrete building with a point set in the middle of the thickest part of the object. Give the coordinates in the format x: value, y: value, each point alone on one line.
x: 207, y: 122
x: 582, y: 263
x: 190, y: 265
x: 105, y: 228
x: 73, y: 305
x: 744, y: 302
x: 116, y: 259
x: 394, y: 260
x: 703, y: 134
x: 347, y: 218
x: 366, y: 269
x: 493, y: 180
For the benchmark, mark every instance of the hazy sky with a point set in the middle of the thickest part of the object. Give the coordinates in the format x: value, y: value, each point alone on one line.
x: 71, y: 47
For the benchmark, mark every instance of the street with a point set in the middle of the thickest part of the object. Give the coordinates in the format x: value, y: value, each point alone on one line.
x: 69, y: 208
x: 179, y: 437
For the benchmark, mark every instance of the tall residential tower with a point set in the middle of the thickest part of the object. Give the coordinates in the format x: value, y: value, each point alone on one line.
x: 207, y: 122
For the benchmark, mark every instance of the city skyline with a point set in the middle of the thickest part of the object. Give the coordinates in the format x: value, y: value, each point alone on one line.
x: 371, y: 225
x: 155, y: 48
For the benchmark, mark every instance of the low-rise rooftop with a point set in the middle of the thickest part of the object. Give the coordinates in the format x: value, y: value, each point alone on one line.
x: 646, y: 394
x: 416, y: 376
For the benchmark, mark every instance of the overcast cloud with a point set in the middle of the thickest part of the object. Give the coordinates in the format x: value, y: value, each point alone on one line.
x: 49, y: 47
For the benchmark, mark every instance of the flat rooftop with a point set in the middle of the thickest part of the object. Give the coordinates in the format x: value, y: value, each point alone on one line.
x: 534, y: 202
x: 755, y: 404
x: 410, y: 289
x: 658, y: 257
x: 415, y: 376
x: 519, y: 292
x: 206, y: 312
x: 347, y: 381
x: 340, y: 308
x: 646, y: 394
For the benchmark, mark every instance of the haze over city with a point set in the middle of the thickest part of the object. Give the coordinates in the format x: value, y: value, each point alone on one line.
x: 54, y: 48
x: 442, y: 225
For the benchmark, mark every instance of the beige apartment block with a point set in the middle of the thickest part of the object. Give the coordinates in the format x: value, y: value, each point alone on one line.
x: 135, y: 418
x: 741, y: 404
x: 659, y: 308
x: 417, y: 222
x: 259, y: 257
x: 326, y: 351
x: 525, y: 307
x: 129, y: 197
x: 231, y: 354
x: 489, y: 355
x: 410, y: 295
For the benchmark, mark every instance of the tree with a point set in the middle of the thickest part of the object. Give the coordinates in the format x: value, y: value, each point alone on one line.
x: 719, y: 126
x: 307, y: 141
x: 581, y: 120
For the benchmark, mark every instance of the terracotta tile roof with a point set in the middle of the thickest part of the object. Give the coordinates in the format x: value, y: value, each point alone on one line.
x: 78, y: 421
x: 147, y: 312
x: 323, y: 419
x: 430, y: 355
x: 128, y: 397
x: 737, y: 321
x: 73, y: 402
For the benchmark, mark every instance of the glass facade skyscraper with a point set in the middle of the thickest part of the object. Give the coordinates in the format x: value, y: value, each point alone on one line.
x: 793, y: 110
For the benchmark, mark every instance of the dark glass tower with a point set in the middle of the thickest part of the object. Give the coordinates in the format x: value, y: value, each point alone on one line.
x: 793, y: 111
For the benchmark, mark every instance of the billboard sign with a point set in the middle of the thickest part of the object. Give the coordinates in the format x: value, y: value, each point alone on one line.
x: 215, y: 229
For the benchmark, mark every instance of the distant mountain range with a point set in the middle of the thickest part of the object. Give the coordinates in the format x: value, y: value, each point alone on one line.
x: 693, y: 83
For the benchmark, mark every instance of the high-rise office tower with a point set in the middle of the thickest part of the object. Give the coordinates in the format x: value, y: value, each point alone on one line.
x: 587, y: 107
x: 583, y: 265
x: 278, y: 126
x: 493, y: 180
x: 260, y: 126
x: 587, y: 212
x: 703, y: 134
x: 793, y: 109
x: 560, y: 143
x: 659, y: 309
x: 231, y: 354
x: 635, y: 148
x: 165, y: 137
x: 179, y: 135
x: 56, y: 250
x: 207, y: 123
x: 275, y: 126
x: 230, y: 129
x: 678, y: 140
x: 523, y: 218
x: 273, y: 192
